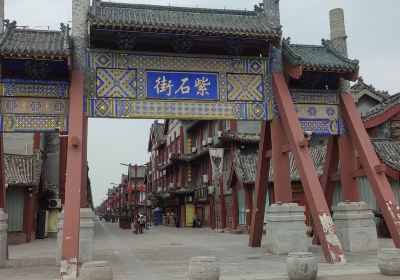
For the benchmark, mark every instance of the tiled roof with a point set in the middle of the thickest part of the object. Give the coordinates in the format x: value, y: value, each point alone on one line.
x: 317, y: 57
x: 157, y: 135
x: 22, y: 170
x: 16, y: 42
x: 189, y: 158
x: 361, y: 85
x: 181, y: 191
x: 231, y: 136
x: 228, y: 136
x: 245, y: 165
x: 183, y: 21
x: 382, y: 107
x: 388, y: 151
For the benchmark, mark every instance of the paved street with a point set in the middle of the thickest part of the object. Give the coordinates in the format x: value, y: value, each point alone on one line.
x: 163, y: 253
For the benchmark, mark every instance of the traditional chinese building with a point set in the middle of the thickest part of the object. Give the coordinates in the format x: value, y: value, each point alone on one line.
x: 242, y: 182
x: 24, y: 196
x: 191, y: 190
x: 366, y: 96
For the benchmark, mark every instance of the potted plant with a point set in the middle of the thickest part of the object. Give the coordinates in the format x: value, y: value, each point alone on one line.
x: 125, y: 222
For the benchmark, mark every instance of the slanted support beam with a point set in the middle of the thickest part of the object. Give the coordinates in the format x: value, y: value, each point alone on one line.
x: 260, y: 196
x: 70, y: 241
x: 377, y: 179
x: 330, y: 169
x: 280, y: 163
x: 348, y: 164
x: 315, y: 196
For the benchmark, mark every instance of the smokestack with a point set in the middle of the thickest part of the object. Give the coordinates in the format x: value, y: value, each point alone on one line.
x: 339, y: 39
x: 271, y: 9
x: 1, y: 16
x: 338, y: 31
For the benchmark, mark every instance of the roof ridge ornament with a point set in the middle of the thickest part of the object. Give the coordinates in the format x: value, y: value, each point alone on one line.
x: 9, y: 24
x: 328, y: 44
x: 360, y: 85
x: 259, y: 8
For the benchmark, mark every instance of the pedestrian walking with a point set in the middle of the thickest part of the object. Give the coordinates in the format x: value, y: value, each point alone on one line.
x: 142, y: 221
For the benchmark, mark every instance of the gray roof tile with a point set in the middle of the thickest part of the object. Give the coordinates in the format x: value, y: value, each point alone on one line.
x: 35, y: 43
x: 22, y: 170
x: 382, y: 107
x: 388, y: 151
x: 245, y: 165
x: 320, y: 57
x: 361, y: 85
x: 184, y: 21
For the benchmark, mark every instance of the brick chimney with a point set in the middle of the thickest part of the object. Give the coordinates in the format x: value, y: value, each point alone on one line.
x: 1, y: 16
x: 339, y: 39
x: 271, y: 8
x: 338, y: 31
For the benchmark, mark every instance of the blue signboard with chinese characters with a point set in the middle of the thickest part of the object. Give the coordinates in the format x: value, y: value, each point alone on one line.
x: 182, y: 85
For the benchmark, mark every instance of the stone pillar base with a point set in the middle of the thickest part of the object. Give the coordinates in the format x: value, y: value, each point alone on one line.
x: 285, y: 229
x: 355, y: 226
x: 86, y: 235
x: 3, y: 238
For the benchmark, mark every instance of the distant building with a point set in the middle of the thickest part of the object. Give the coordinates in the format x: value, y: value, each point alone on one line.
x: 366, y: 96
x: 182, y: 181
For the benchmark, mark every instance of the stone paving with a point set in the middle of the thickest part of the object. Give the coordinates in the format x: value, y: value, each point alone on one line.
x: 163, y: 253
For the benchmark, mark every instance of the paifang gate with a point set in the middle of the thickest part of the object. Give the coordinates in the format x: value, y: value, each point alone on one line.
x: 141, y: 61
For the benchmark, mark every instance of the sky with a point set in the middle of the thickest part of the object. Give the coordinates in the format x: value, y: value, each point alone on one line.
x: 373, y: 38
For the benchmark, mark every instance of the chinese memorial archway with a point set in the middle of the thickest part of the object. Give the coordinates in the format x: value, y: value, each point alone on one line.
x: 142, y: 61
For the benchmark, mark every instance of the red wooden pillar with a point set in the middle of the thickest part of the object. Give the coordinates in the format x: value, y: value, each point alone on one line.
x: 212, y: 212
x: 182, y: 151
x: 63, y: 166
x: 309, y: 178
x: 235, y: 207
x: 263, y: 164
x: 330, y: 168
x: 136, y: 194
x: 130, y: 192
x: 248, y: 204
x: 280, y: 162
x: 222, y: 201
x: 29, y: 198
x: 28, y: 215
x: 348, y: 164
x: 2, y: 175
x: 70, y: 241
x: 374, y: 170
x: 84, y: 164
